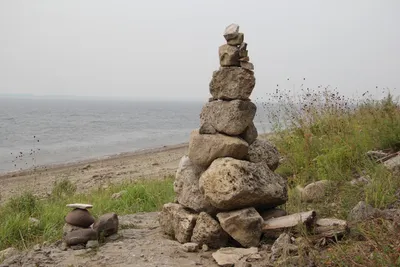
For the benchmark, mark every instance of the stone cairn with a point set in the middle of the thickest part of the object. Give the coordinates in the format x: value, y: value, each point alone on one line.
x: 226, y: 186
x: 82, y: 230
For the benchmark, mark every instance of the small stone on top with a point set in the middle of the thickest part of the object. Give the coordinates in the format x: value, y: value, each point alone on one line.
x: 232, y: 31
x: 80, y: 206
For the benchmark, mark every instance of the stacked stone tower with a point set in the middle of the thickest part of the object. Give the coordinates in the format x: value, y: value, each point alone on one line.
x: 226, y: 181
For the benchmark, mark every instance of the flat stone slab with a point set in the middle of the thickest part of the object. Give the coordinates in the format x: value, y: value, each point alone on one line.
x: 80, y: 206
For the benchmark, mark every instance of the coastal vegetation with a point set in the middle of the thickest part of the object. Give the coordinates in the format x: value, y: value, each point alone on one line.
x: 320, y: 135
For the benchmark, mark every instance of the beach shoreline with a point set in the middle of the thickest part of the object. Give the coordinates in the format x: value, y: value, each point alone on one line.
x: 94, y: 172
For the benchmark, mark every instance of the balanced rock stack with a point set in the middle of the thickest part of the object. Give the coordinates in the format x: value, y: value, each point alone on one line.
x: 227, y: 180
x: 81, y: 227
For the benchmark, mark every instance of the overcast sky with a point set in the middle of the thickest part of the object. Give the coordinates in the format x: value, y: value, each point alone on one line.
x: 169, y: 48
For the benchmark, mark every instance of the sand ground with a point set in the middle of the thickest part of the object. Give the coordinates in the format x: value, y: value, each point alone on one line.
x: 151, y: 163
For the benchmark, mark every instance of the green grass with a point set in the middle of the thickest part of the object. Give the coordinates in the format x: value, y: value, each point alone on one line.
x: 17, y: 231
x: 327, y: 138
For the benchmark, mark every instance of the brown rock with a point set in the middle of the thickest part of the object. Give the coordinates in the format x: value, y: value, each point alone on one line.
x: 247, y: 65
x: 250, y: 134
x: 205, y: 148
x: 228, y: 55
x: 262, y: 150
x: 69, y: 228
x: 246, y: 58
x: 243, y: 225
x: 232, y: 83
x: 81, y: 236
x: 208, y: 231
x: 79, y: 217
x: 228, y: 117
x: 238, y: 40
x: 177, y: 222
x: 243, y: 54
x: 186, y: 186
x: 107, y: 224
x: 231, y: 184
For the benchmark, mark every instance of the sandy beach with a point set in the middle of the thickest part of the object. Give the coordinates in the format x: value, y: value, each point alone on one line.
x: 88, y: 174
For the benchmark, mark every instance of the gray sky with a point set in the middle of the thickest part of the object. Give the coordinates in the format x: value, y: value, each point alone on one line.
x: 169, y: 48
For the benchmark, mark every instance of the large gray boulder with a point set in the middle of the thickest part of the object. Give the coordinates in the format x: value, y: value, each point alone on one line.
x: 228, y: 117
x: 230, y: 184
x: 228, y: 55
x: 243, y: 225
x: 205, y: 148
x: 208, y: 231
x: 262, y: 150
x: 177, y: 222
x: 80, y: 236
x: 232, y: 83
x: 186, y: 186
x: 107, y: 224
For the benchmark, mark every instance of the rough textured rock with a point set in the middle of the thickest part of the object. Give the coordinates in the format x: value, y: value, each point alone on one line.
x: 186, y: 186
x: 243, y: 54
x: 229, y: 117
x: 8, y: 252
x: 232, y: 256
x: 362, y: 212
x: 243, y: 225
x: 315, y: 191
x: 231, y: 31
x: 232, y: 83
x: 233, y: 184
x: 79, y: 217
x: 246, y: 58
x: 81, y: 236
x: 190, y: 247
x: 209, y: 232
x: 250, y: 134
x: 283, y: 247
x: 206, y: 128
x: 247, y: 65
x: 272, y: 213
x: 107, y: 224
x: 69, y: 228
x: 177, y: 222
x: 205, y: 148
x: 393, y: 164
x: 262, y: 150
x: 237, y: 40
x: 228, y: 56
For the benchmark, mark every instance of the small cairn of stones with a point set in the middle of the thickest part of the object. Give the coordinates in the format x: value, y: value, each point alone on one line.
x: 226, y: 182
x: 81, y: 229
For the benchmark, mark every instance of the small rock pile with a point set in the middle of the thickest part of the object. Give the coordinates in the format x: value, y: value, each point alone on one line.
x: 226, y: 182
x: 82, y: 230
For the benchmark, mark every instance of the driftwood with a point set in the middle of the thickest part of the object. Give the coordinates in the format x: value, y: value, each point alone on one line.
x: 330, y: 227
x: 273, y: 227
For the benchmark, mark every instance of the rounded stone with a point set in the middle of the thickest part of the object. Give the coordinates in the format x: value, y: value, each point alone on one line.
x: 79, y: 217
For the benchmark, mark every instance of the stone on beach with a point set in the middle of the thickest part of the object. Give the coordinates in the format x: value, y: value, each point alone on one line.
x: 177, y: 222
x: 80, y: 236
x: 232, y: 184
x: 243, y: 225
x: 229, y: 117
x: 247, y: 65
x: 186, y: 186
x: 79, y: 217
x: 228, y: 55
x: 209, y: 232
x: 205, y: 148
x: 232, y: 83
x: 107, y: 224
